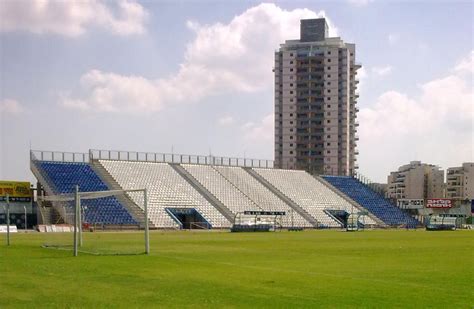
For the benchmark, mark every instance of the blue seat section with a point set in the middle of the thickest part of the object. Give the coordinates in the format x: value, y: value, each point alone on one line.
x: 63, y: 177
x: 372, y: 201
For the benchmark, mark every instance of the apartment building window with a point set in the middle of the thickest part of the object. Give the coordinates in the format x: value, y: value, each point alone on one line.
x: 291, y: 55
x: 291, y: 137
x: 291, y: 115
x: 291, y: 85
x: 329, y: 75
x: 328, y: 144
x: 329, y: 136
x: 291, y: 70
x: 329, y: 90
x: 329, y: 98
x: 329, y: 60
x: 329, y: 52
x: 291, y: 62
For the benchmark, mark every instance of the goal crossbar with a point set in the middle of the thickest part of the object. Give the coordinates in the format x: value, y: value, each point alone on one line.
x: 68, y: 197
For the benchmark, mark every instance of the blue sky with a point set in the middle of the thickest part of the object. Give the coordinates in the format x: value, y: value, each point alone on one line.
x: 196, y: 76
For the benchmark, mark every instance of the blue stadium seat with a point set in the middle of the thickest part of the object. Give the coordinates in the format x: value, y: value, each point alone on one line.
x: 62, y: 177
x: 372, y: 201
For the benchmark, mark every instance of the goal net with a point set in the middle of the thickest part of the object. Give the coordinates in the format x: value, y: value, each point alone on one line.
x: 96, y: 223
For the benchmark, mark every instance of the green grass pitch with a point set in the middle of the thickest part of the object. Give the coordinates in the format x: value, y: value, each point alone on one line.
x: 310, y: 269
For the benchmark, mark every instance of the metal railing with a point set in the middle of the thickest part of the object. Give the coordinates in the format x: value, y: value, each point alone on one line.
x: 96, y: 154
x: 58, y: 156
x: 372, y: 185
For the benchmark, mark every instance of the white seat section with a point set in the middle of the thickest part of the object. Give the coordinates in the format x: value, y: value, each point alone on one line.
x: 309, y: 193
x: 221, y: 188
x: 261, y: 195
x: 166, y: 188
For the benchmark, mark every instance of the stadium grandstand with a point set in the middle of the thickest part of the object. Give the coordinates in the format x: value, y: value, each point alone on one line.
x: 188, y: 191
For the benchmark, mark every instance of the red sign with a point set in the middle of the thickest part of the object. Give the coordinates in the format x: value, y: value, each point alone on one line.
x: 439, y: 203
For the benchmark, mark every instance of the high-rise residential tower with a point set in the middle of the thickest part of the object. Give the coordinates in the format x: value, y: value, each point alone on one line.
x: 315, y: 102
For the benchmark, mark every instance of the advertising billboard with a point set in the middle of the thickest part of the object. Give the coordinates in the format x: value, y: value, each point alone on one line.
x: 410, y: 203
x: 18, y: 191
x: 439, y: 203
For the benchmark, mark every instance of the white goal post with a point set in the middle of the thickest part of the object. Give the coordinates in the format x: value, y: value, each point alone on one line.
x: 77, y: 196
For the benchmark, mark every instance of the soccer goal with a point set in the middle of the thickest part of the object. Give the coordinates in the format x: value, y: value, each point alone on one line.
x: 79, y: 214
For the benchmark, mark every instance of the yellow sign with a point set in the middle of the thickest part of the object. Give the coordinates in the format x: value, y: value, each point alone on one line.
x: 18, y: 191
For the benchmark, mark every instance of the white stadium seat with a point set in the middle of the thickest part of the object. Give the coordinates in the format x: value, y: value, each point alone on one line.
x: 309, y: 193
x: 261, y: 195
x: 221, y: 188
x: 166, y: 188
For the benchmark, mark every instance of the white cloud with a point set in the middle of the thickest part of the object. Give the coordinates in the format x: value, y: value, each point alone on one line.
x: 260, y: 132
x: 382, y: 71
x: 360, y: 2
x: 435, y: 126
x: 116, y: 93
x: 361, y: 77
x: 10, y: 106
x: 393, y: 38
x: 222, y: 58
x: 72, y: 18
x: 225, y: 121
x: 466, y: 65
